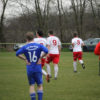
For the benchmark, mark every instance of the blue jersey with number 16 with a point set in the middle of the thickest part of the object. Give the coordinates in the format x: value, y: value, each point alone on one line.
x: 32, y: 52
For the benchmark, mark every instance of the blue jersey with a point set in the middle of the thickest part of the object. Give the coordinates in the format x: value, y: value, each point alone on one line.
x: 32, y: 52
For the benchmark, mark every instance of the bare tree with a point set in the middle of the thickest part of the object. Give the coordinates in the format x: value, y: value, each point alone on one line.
x: 60, y: 14
x: 46, y: 15
x: 4, y: 5
x: 95, y: 6
x: 42, y: 14
x: 79, y: 7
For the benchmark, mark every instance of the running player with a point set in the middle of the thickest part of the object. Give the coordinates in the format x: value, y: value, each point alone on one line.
x: 77, y: 44
x: 32, y: 52
x: 54, y: 47
x: 41, y: 40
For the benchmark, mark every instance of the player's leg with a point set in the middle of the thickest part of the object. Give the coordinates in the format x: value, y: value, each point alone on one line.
x: 75, y: 61
x: 40, y: 92
x: 47, y: 75
x: 31, y: 83
x: 82, y: 63
x: 55, y: 71
x: 43, y: 61
x: 39, y: 81
x: 44, y: 72
x: 75, y: 66
x: 32, y: 92
x: 48, y: 69
x: 80, y: 59
x: 48, y: 60
x: 56, y: 61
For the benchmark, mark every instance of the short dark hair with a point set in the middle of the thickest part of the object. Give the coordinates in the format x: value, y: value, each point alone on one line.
x: 51, y: 32
x: 29, y: 36
x: 75, y: 34
x: 40, y: 32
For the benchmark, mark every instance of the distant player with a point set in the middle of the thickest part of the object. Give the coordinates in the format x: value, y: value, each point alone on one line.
x: 77, y: 44
x: 97, y: 52
x: 42, y: 41
x: 97, y: 49
x: 32, y: 52
x: 54, y: 47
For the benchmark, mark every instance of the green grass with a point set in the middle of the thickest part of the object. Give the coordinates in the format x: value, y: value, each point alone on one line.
x: 84, y: 85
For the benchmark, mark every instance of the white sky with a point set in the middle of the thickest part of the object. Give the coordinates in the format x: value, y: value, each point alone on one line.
x: 13, y: 8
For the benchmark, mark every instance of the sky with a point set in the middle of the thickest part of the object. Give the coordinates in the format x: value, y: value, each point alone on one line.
x: 13, y: 8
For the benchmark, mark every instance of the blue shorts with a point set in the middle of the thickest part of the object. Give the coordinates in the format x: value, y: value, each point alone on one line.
x: 35, y: 77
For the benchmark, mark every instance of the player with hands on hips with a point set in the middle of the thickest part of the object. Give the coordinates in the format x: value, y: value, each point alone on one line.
x: 32, y: 52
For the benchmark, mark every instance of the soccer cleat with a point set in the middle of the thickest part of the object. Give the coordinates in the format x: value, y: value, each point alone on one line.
x: 83, y: 66
x: 48, y: 78
x: 55, y: 78
x: 75, y: 71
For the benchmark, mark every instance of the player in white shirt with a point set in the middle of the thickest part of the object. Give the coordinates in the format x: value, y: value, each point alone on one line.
x: 42, y: 41
x: 54, y: 47
x: 77, y: 44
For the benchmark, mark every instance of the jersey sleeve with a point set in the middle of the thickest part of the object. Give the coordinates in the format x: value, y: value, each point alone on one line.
x: 59, y: 42
x: 34, y: 39
x: 72, y: 41
x: 44, y: 49
x: 82, y: 41
x: 48, y: 41
x: 97, y: 49
x: 20, y: 51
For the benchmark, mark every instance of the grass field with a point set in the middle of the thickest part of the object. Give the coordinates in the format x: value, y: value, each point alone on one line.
x: 84, y: 85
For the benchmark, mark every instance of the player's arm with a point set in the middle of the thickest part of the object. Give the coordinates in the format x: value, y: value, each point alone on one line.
x: 23, y: 58
x: 45, y: 50
x: 82, y: 43
x: 72, y: 45
x: 19, y: 55
x: 48, y: 46
x: 59, y: 46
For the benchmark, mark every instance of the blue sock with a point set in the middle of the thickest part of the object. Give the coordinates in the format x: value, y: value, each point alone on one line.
x: 33, y: 96
x: 40, y: 94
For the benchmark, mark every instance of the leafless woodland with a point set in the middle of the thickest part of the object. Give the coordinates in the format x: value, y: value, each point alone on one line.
x: 62, y: 16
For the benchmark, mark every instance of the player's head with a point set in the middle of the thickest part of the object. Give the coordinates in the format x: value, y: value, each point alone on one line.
x: 39, y: 33
x: 29, y: 36
x: 50, y: 32
x: 75, y: 34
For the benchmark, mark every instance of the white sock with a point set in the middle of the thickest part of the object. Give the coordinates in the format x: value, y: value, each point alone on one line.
x: 56, y: 70
x: 44, y: 72
x: 48, y: 69
x: 81, y: 61
x: 75, y: 65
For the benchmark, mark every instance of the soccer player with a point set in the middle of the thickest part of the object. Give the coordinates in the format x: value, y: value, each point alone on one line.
x: 54, y: 47
x: 42, y: 41
x: 97, y: 49
x: 97, y: 52
x: 77, y: 44
x: 32, y: 52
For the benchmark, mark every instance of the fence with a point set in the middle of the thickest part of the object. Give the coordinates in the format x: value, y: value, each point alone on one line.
x: 12, y: 46
x: 7, y: 46
x: 65, y: 47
